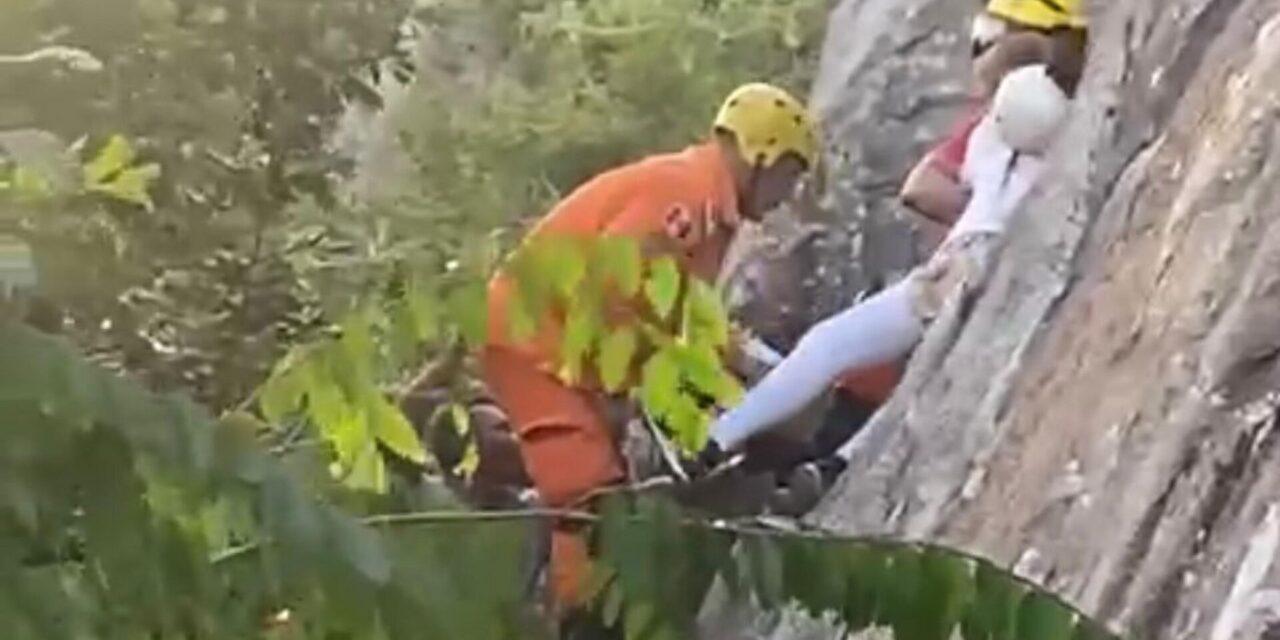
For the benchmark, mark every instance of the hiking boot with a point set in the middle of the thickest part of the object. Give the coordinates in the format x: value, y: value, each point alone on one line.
x: 805, y: 486
x: 585, y: 625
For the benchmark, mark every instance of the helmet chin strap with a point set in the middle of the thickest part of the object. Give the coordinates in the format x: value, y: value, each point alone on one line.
x: 746, y: 199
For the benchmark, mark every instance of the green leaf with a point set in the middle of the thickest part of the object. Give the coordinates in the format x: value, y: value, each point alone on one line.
x: 617, y: 351
x: 903, y: 587
x: 662, y: 287
x: 348, y: 431
x: 368, y: 470
x: 235, y: 452
x: 468, y: 307
x: 581, y: 327
x: 765, y: 563
x: 688, y: 423
x: 113, y: 157
x: 867, y: 570
x: 461, y: 422
x: 995, y: 607
x: 461, y: 419
x: 470, y: 459
x: 1043, y: 618
x: 811, y: 577
x: 523, y: 314
x: 394, y: 430
x: 425, y: 315
x: 325, y: 401
x: 621, y: 263
x: 660, y: 383
x: 702, y: 367
x: 640, y: 620
x: 568, y: 267
x: 361, y: 547
x: 612, y: 610
x: 946, y: 588
x: 29, y: 185
x: 353, y: 367
x: 602, y: 575
x: 403, y: 334
x: 284, y: 390
x: 131, y: 185
x: 706, y: 319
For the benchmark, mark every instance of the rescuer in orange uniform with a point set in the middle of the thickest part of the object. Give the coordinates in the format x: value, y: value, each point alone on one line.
x: 686, y: 204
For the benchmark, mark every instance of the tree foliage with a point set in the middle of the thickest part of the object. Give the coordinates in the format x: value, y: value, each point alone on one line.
x: 631, y: 324
x: 128, y: 514
x: 193, y: 284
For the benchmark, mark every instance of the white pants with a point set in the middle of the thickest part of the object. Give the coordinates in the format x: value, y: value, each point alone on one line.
x: 882, y: 328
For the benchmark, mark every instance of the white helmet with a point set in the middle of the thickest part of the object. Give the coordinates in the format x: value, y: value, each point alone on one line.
x: 1029, y: 109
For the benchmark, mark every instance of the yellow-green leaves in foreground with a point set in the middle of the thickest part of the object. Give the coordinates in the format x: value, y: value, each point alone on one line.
x: 639, y: 327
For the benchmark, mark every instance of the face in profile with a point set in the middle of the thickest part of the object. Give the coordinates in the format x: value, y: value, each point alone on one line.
x: 774, y: 185
x: 1009, y: 52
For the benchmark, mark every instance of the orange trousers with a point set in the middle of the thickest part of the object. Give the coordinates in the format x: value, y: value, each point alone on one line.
x: 567, y: 447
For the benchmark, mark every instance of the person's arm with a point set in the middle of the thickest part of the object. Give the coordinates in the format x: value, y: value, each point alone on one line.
x: 935, y: 188
x: 933, y: 193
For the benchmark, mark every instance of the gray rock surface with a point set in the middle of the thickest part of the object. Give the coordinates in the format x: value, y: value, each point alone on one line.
x: 893, y: 79
x: 1102, y: 418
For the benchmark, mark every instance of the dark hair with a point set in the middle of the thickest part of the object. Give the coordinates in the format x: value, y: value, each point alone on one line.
x: 1063, y: 50
x: 1068, y: 52
x: 1012, y: 51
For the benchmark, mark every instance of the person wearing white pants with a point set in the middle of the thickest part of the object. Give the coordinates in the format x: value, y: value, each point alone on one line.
x: 1003, y: 162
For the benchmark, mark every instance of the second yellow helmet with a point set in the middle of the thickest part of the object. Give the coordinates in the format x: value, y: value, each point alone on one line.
x: 768, y: 122
x: 1041, y: 14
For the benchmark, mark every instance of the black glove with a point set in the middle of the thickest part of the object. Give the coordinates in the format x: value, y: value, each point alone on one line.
x: 707, y: 460
x: 831, y: 467
x: 775, y: 453
x: 805, y: 486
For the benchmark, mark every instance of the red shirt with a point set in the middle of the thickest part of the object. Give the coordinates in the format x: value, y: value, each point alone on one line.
x: 948, y: 156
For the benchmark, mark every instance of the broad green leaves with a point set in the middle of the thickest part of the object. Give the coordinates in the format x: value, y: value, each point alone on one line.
x: 660, y: 383
x: 617, y: 351
x: 335, y: 383
x: 392, y: 429
x: 112, y: 172
x: 662, y: 287
x: 133, y: 487
x: 922, y: 592
x: 131, y: 514
x: 619, y: 261
x: 651, y: 331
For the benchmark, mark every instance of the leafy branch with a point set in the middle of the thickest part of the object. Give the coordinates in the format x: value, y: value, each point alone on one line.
x: 918, y: 589
x: 653, y: 332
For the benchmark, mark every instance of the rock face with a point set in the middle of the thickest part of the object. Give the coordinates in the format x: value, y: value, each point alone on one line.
x: 893, y: 78
x: 1103, y: 416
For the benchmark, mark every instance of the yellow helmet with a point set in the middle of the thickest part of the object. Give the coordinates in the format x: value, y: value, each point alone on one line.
x: 768, y: 122
x: 1041, y: 14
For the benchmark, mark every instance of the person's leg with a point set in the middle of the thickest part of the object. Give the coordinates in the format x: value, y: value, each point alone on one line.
x: 878, y: 330
x: 567, y: 447
x: 846, y: 417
